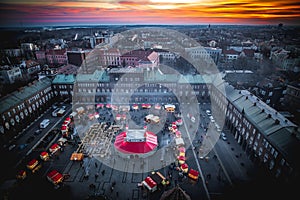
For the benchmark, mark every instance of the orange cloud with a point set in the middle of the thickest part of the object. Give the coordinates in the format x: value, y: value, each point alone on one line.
x: 152, y: 11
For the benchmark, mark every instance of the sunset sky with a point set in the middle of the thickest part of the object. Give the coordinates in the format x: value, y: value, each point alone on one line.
x: 64, y: 12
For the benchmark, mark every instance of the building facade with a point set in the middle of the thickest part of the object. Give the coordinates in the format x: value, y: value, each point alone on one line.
x: 268, y: 138
x: 22, y: 107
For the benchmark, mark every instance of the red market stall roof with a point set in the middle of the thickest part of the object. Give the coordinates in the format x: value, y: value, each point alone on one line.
x: 31, y: 164
x: 135, y: 106
x: 178, y: 134
x: 55, y: 177
x: 68, y: 119
x: 184, y: 166
x: 150, y: 182
x: 179, y: 121
x: 194, y: 172
x: 181, y: 157
x: 157, y: 106
x: 54, y: 147
x: 108, y: 105
x: 114, y: 107
x: 136, y: 142
x: 63, y: 128
x: 100, y: 105
x: 44, y: 153
x: 146, y: 105
x: 21, y: 174
x: 65, y: 123
x: 181, y: 149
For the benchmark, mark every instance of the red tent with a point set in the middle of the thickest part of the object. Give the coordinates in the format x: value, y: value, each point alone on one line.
x: 193, y: 174
x: 55, y: 177
x: 135, y: 106
x: 146, y: 105
x: 150, y: 183
x: 44, y: 155
x: 54, y: 147
x: 100, y: 105
x: 32, y: 163
x: 125, y: 145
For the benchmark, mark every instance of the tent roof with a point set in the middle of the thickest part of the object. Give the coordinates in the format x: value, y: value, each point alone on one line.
x: 136, y: 147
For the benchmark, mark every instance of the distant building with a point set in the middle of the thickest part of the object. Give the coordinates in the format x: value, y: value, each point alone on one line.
x: 67, y: 69
x: 10, y: 74
x: 13, y: 52
x: 76, y: 57
x: 30, y: 67
x: 230, y: 55
x: 204, y: 53
x: 291, y: 100
x: 140, y: 58
x: 41, y: 56
x: 56, y: 56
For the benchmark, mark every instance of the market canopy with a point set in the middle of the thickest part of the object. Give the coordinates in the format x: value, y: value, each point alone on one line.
x: 136, y: 141
x: 55, y: 177
x: 76, y: 156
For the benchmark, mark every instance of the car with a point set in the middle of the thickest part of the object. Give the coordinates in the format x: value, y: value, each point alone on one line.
x: 224, y: 138
x: 37, y: 132
x: 11, y: 147
x: 208, y: 112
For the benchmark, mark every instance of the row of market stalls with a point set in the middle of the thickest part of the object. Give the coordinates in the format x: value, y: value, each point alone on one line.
x: 36, y: 163
x: 181, y: 157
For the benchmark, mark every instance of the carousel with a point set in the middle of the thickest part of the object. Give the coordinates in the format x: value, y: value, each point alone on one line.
x: 138, y: 142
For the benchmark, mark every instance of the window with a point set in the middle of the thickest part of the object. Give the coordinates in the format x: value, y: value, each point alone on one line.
x: 282, y: 162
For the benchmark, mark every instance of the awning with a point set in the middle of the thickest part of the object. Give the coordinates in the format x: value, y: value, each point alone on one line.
x: 32, y: 163
x: 135, y: 106
x: 55, y: 177
x: 54, y: 147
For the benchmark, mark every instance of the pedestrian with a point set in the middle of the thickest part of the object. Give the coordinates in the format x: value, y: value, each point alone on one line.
x: 96, y: 175
x: 96, y: 165
x: 102, y: 172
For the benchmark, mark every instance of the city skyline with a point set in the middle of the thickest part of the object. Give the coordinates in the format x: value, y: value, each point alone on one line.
x: 255, y: 12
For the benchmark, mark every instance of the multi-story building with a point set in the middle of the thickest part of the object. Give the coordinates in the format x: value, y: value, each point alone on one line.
x: 62, y: 85
x: 56, y: 56
x: 138, y: 85
x: 291, y: 100
x: 22, y: 107
x: 140, y: 58
x: 204, y: 53
x: 270, y: 139
x: 9, y: 74
x: 76, y: 57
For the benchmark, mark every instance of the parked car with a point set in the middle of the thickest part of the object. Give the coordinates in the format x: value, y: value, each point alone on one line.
x: 223, y: 136
x: 37, y: 132
x: 208, y: 112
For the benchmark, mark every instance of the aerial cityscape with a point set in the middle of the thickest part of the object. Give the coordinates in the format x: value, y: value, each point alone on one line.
x: 156, y: 100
